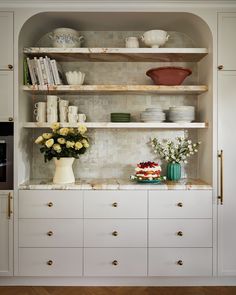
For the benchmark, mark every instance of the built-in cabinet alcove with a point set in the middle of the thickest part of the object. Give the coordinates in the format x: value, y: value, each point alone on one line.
x: 115, y: 151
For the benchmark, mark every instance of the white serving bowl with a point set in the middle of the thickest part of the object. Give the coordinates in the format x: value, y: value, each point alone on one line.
x: 155, y: 38
x: 66, y: 38
x: 75, y: 77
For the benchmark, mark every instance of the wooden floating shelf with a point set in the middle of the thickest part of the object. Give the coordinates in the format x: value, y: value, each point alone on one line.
x: 131, y: 125
x: 120, y: 54
x: 116, y: 89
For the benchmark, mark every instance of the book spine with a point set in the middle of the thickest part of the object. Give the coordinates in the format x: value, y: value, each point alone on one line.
x: 49, y: 67
x: 45, y: 78
x: 31, y: 71
x: 39, y: 71
x: 34, y: 67
x: 55, y: 72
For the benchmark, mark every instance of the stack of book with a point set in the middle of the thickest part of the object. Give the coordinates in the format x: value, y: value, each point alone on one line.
x: 44, y: 71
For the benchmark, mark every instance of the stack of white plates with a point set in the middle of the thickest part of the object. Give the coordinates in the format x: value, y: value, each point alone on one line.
x: 182, y: 114
x: 153, y: 115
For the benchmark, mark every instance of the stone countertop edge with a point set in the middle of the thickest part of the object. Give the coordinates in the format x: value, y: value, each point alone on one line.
x: 114, y: 184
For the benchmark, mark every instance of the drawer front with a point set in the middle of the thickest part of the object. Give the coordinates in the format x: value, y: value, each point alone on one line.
x: 51, y: 233
x: 115, y: 204
x: 180, y: 262
x: 180, y: 233
x: 180, y: 204
x: 64, y: 262
x: 115, y: 233
x: 50, y: 204
x: 115, y: 262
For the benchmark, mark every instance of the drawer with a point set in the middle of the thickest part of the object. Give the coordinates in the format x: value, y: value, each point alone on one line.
x: 180, y: 204
x: 115, y: 233
x: 50, y: 204
x: 50, y: 262
x: 115, y: 261
x: 115, y: 204
x: 180, y: 233
x: 51, y: 233
x: 180, y: 262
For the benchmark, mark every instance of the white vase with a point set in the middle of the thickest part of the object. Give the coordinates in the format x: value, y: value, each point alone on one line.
x: 64, y: 172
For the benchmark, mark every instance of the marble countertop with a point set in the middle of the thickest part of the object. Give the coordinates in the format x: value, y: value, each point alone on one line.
x: 114, y: 184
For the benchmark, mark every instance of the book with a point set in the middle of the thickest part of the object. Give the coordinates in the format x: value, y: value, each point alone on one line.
x: 39, y: 71
x: 56, y: 74
x: 26, y: 74
x: 49, y: 70
x: 45, y: 78
x: 31, y: 71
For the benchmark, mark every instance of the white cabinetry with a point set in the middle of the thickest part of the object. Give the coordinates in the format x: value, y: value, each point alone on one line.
x: 6, y: 234
x: 6, y: 66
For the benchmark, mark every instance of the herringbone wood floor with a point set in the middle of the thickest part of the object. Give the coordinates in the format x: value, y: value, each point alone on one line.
x: 117, y: 290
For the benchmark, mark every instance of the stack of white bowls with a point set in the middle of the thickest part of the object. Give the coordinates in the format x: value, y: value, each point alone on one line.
x: 182, y: 114
x: 153, y: 115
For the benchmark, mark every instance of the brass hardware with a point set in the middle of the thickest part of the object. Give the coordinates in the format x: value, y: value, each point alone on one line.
x: 180, y: 204
x: 180, y: 262
x: 10, y: 67
x: 10, y: 119
x: 220, y: 67
x: 50, y: 233
x: 115, y: 204
x: 49, y: 262
x: 50, y: 204
x: 221, y: 195
x: 180, y: 233
x: 9, y: 210
x: 115, y: 233
x: 115, y: 262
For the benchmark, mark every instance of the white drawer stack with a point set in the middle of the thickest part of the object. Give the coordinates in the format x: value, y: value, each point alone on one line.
x: 115, y: 233
x: 50, y: 233
x: 180, y: 233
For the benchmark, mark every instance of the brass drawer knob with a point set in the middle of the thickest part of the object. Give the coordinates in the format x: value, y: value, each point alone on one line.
x: 10, y: 119
x: 220, y: 67
x: 115, y: 233
x: 49, y: 262
x: 180, y: 204
x: 10, y: 67
x: 180, y: 233
x: 180, y: 262
x: 115, y: 204
x: 50, y: 204
x: 50, y: 233
x: 115, y: 262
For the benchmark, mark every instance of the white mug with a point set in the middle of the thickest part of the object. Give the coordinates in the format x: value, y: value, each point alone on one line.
x: 72, y: 118
x: 52, y: 100
x: 73, y: 110
x: 131, y: 42
x: 63, y: 103
x: 40, y: 111
x: 51, y: 115
x: 81, y: 118
x: 63, y: 114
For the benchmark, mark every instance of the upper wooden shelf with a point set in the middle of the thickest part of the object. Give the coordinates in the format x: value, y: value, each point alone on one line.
x: 116, y: 89
x: 119, y: 54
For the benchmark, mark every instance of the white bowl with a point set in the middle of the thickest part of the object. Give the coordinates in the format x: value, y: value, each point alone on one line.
x: 155, y: 38
x: 75, y: 77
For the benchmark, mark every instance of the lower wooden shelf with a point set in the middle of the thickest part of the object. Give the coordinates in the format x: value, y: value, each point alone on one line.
x: 130, y: 125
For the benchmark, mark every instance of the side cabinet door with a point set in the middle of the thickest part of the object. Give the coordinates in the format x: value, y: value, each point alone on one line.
x: 6, y: 36
x: 6, y: 235
x: 6, y: 95
x: 227, y: 142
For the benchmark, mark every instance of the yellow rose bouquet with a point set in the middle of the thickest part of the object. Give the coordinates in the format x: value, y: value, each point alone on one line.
x: 63, y: 142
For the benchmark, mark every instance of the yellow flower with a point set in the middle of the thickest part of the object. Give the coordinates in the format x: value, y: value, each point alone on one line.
x: 71, y: 130
x: 39, y: 140
x: 82, y: 129
x: 78, y: 145
x: 70, y: 144
x: 47, y: 135
x: 57, y: 147
x: 85, y: 143
x: 55, y: 126
x: 49, y: 143
x: 61, y: 140
x: 64, y: 131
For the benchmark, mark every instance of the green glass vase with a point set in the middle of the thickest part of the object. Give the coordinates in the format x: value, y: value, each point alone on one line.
x: 173, y: 171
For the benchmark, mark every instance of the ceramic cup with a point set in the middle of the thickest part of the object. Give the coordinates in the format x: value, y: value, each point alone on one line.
x: 72, y: 118
x: 73, y: 110
x: 131, y: 42
x: 52, y: 100
x: 63, y: 103
x: 52, y: 115
x: 81, y: 118
x: 40, y: 111
x: 63, y: 114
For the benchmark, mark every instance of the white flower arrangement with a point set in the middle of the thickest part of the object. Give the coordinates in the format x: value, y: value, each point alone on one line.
x: 176, y: 151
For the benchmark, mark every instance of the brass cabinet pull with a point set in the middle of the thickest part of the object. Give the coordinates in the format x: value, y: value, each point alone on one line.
x: 180, y: 204
x: 50, y: 233
x: 180, y: 233
x: 115, y: 204
x: 180, y: 262
x: 50, y: 204
x: 221, y: 194
x: 115, y: 262
x: 9, y: 210
x: 10, y: 67
x: 115, y: 233
x: 10, y: 119
x: 220, y: 67
x: 49, y: 262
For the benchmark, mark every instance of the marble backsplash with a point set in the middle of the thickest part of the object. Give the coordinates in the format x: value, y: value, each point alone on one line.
x: 114, y: 153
